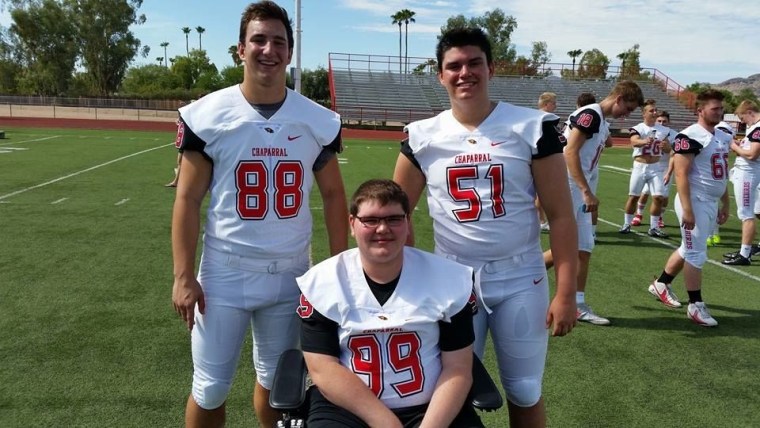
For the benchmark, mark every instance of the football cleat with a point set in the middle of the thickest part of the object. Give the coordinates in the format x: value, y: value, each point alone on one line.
x: 585, y: 314
x: 698, y: 314
x: 664, y: 294
x: 625, y: 229
x: 657, y: 233
x: 636, y: 220
x: 739, y: 260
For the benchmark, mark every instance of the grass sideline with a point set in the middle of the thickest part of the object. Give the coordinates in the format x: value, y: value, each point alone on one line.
x: 90, y: 338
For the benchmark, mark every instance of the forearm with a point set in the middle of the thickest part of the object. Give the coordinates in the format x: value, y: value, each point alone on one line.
x: 450, y: 394
x: 185, y: 229
x: 346, y: 390
x: 575, y: 170
x: 336, y: 221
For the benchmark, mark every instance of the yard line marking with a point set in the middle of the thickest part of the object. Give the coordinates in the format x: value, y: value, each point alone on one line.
x: 58, y: 201
x: 669, y: 244
x: 74, y: 174
x: 610, y: 168
x: 30, y: 141
x: 121, y: 202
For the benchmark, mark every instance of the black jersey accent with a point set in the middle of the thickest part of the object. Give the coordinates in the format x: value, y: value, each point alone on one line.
x: 587, y: 120
x: 406, y: 149
x: 551, y: 141
x: 684, y: 145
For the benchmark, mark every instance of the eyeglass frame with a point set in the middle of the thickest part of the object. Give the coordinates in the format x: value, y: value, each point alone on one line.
x: 394, y: 220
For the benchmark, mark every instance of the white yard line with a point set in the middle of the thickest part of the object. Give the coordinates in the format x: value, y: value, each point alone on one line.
x: 30, y: 141
x: 58, y: 201
x: 74, y: 174
x: 122, y: 202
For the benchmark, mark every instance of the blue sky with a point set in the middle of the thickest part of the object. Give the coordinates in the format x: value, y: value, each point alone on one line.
x: 688, y: 40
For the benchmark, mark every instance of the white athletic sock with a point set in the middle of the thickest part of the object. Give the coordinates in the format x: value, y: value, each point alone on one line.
x: 640, y: 208
x: 654, y: 221
x: 580, y: 297
x: 628, y: 218
x: 746, y: 250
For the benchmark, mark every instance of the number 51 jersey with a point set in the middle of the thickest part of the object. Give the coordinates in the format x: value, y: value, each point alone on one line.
x: 480, y: 183
x: 262, y: 178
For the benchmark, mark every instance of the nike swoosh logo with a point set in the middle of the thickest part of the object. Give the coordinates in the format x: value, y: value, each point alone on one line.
x: 291, y: 138
x: 536, y: 281
x: 496, y: 143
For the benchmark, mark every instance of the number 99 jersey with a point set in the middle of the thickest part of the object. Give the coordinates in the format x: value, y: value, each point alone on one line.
x: 262, y: 178
x: 480, y: 183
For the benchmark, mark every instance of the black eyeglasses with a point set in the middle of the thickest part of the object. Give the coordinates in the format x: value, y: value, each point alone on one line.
x: 391, y: 220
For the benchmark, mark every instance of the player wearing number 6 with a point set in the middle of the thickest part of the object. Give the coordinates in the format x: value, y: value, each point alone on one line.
x: 701, y: 172
x: 256, y: 148
x: 483, y: 163
x: 387, y: 329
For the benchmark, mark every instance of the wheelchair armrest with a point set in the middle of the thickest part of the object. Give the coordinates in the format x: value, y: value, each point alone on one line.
x: 484, y: 394
x: 289, y: 389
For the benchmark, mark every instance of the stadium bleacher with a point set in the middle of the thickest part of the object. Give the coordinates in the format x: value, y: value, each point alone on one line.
x: 367, y: 96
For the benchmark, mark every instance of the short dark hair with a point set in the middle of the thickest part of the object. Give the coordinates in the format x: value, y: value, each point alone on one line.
x: 585, y: 98
x: 708, y: 95
x: 664, y: 113
x: 263, y: 11
x: 462, y: 36
x: 383, y: 191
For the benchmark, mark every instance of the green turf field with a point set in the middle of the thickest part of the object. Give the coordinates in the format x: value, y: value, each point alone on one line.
x: 89, y: 336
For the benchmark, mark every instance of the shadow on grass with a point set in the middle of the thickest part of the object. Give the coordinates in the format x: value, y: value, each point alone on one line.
x: 736, y: 322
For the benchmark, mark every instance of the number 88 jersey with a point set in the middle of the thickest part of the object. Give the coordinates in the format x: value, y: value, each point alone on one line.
x: 480, y: 183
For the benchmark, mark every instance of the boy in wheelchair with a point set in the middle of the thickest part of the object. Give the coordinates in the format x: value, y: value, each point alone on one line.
x: 386, y: 346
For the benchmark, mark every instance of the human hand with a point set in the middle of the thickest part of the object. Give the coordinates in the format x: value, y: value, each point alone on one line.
x: 561, y: 316
x: 185, y: 295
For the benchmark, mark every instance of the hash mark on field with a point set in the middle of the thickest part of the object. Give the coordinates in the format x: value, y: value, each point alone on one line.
x: 121, y: 202
x: 58, y: 201
x: 74, y: 174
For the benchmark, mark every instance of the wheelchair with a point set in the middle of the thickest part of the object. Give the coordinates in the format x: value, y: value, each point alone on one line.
x: 288, y: 394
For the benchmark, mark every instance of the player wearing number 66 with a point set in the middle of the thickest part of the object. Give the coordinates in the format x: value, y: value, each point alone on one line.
x: 483, y: 163
x: 256, y: 148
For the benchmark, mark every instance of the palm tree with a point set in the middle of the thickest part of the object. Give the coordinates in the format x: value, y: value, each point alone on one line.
x: 233, y: 51
x: 164, y: 45
x: 160, y: 60
x: 187, y: 31
x: 574, y: 54
x: 200, y: 31
x: 622, y: 56
x: 398, y: 18
x: 408, y: 17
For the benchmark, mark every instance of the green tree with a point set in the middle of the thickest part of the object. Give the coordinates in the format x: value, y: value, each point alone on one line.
x: 200, y: 31
x: 47, y: 46
x: 574, y: 54
x: 232, y: 75
x: 593, y: 65
x: 315, y: 86
x: 497, y: 26
x: 106, y: 42
x: 10, y: 67
x: 233, y: 51
x: 190, y: 68
x: 148, y: 81
x: 539, y: 56
x: 166, y: 60
x: 187, y: 31
x: 430, y: 65
x: 408, y: 16
x: 398, y: 18
x: 630, y: 67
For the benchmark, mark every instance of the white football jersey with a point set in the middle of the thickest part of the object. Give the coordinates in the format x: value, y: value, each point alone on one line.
x: 659, y: 132
x: 479, y: 183
x: 590, y: 120
x: 393, y: 348
x: 709, y: 170
x: 752, y: 136
x: 262, y: 170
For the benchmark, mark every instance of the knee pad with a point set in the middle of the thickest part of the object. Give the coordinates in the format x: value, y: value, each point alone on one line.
x: 210, y: 395
x: 524, y: 392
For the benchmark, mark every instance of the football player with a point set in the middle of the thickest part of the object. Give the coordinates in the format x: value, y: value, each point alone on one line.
x: 587, y: 133
x: 663, y: 119
x: 649, y: 140
x: 256, y: 149
x: 387, y: 329
x: 701, y: 169
x: 483, y: 163
x: 746, y: 178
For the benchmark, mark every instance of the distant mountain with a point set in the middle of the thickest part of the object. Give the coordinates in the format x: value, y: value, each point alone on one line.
x: 738, y: 83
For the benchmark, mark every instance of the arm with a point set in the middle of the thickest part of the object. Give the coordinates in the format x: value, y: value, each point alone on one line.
x: 344, y: 389
x: 637, y: 141
x: 608, y: 141
x: 191, y: 188
x: 752, y: 153
x: 723, y: 212
x: 452, y: 388
x: 573, y: 159
x: 412, y: 181
x: 551, y: 185
x: 335, y: 210
x: 682, y: 166
x: 669, y: 171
